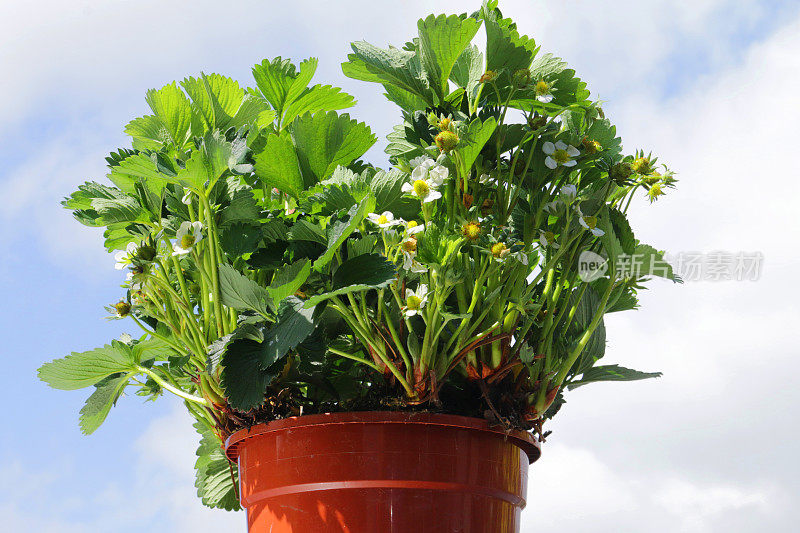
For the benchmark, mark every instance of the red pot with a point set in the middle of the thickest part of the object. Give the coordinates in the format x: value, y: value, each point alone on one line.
x: 382, y: 472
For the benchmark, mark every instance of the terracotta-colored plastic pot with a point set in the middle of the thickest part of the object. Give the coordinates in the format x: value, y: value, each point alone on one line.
x: 382, y: 472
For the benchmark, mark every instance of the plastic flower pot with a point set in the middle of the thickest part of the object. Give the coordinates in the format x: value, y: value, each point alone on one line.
x: 382, y: 472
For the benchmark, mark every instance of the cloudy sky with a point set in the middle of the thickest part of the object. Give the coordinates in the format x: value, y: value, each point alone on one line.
x: 711, y: 86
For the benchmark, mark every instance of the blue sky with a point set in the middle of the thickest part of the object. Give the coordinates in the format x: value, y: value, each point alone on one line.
x: 710, y: 86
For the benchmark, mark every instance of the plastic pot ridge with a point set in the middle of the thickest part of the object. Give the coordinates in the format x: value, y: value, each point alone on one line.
x: 382, y: 472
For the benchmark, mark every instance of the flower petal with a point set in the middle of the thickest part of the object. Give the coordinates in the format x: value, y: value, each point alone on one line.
x: 550, y: 163
x: 570, y: 163
x: 548, y: 148
x: 572, y: 151
x: 561, y: 145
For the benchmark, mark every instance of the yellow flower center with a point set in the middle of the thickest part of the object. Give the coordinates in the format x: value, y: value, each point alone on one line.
x: 471, y: 230
x: 187, y: 241
x: 444, y: 124
x: 410, y: 245
x: 412, y: 224
x: 498, y: 249
x: 542, y: 87
x: 561, y: 156
x: 421, y: 188
x: 383, y: 219
x: 413, y: 302
x: 590, y: 221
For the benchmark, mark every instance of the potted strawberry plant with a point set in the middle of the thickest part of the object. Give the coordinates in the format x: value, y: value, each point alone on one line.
x: 369, y: 349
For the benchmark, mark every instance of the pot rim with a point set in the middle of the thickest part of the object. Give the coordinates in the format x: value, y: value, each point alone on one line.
x: 521, y: 439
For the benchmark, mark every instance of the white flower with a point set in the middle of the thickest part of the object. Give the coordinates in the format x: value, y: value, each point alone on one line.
x: 559, y: 153
x: 125, y: 338
x: 384, y: 220
x: 424, y: 189
x: 568, y: 193
x: 187, y: 198
x: 415, y: 301
x: 422, y: 161
x: 409, y: 249
x: 132, y: 283
x: 590, y: 223
x: 189, y: 234
x: 437, y: 174
x: 547, y: 238
x: 413, y: 227
x: 123, y: 257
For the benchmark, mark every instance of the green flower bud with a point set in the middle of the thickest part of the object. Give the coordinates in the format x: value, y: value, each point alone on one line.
x: 446, y: 141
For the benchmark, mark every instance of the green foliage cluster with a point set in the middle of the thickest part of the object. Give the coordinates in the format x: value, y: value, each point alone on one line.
x: 274, y: 273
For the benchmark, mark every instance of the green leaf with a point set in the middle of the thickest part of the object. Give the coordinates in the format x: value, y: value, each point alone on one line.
x: 442, y: 40
x: 174, y: 111
x: 288, y: 280
x: 249, y: 361
x: 80, y: 370
x: 244, y: 381
x: 318, y: 98
x: 596, y: 347
x: 126, y: 209
x: 394, y: 66
x: 622, y: 229
x: 343, y: 228
x: 467, y: 72
x: 360, y: 273
x: 303, y: 230
x: 473, y: 142
x: 278, y: 167
x: 240, y: 238
x: 279, y: 82
x: 611, y: 373
x: 506, y: 50
x: 98, y: 405
x: 207, y: 163
x: 647, y: 261
x: 242, y: 293
x: 326, y: 140
x: 220, y: 103
x: 215, y: 477
x: 148, y: 133
x: 140, y: 169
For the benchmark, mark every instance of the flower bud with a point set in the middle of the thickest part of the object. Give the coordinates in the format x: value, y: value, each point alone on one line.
x: 488, y: 76
x: 591, y: 147
x: 446, y: 141
x: 621, y: 172
x: 522, y: 77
